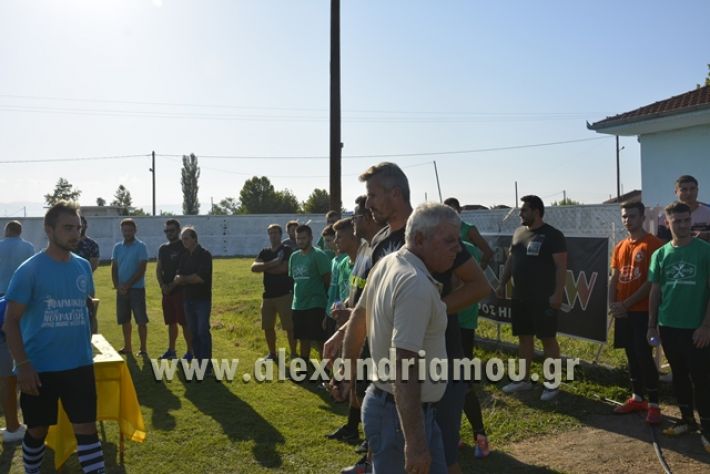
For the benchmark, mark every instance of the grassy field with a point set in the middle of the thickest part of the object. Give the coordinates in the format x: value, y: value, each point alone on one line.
x: 228, y: 427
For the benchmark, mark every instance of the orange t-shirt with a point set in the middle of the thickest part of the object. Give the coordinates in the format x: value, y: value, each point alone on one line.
x: 631, y: 259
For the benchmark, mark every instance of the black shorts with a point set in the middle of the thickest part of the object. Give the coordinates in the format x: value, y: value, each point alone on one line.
x: 630, y: 328
x: 76, y: 388
x: 308, y: 324
x: 534, y: 318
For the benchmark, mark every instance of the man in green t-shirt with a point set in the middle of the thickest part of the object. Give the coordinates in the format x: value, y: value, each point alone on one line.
x: 309, y: 268
x: 680, y: 314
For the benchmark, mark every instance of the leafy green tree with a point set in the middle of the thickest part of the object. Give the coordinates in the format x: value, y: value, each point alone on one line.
x: 286, y: 203
x: 226, y: 207
x: 566, y: 202
x: 258, y: 196
x: 317, y: 203
x: 101, y: 202
x: 122, y: 198
x: 63, y: 191
x: 190, y: 176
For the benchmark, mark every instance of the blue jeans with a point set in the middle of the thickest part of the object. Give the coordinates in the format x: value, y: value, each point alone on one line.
x: 385, y: 437
x: 197, y: 317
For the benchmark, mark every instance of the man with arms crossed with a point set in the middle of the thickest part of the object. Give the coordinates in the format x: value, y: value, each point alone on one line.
x: 278, y: 290
x: 169, y: 255
x: 47, y: 327
x: 538, y: 264
x: 679, y: 312
x: 628, y: 304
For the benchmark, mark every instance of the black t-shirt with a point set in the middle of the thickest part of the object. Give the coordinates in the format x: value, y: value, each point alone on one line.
x: 386, y: 242
x: 169, y: 257
x: 533, y: 265
x: 199, y: 262
x: 276, y: 284
x: 454, y: 347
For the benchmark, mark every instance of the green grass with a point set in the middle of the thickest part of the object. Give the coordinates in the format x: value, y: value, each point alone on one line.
x: 261, y: 427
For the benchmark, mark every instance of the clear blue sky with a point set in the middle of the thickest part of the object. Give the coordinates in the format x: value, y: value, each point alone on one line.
x: 88, y: 78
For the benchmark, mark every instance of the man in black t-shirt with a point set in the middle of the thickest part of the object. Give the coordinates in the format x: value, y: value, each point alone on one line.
x: 194, y: 276
x: 278, y: 289
x: 538, y: 265
x: 169, y: 255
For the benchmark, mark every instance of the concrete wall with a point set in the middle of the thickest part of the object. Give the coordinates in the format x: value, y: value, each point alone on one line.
x: 246, y: 235
x: 667, y: 155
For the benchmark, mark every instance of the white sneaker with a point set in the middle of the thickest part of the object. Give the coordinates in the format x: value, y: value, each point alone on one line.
x: 13, y: 436
x: 514, y: 387
x: 548, y: 395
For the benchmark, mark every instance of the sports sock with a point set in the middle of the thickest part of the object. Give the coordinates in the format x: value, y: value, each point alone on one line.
x: 91, y: 456
x: 32, y: 453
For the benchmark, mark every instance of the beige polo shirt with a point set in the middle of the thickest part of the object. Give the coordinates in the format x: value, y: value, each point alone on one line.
x: 405, y: 311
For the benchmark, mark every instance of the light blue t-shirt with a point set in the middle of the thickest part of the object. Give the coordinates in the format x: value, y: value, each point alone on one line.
x: 55, y: 325
x: 128, y: 258
x: 13, y: 251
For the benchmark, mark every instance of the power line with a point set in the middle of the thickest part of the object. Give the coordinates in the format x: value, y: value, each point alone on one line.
x: 85, y: 158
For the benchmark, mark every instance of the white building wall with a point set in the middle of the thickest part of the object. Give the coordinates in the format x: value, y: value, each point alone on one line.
x: 667, y: 155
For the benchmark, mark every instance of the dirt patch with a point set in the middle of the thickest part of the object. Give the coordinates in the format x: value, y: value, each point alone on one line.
x: 611, y: 444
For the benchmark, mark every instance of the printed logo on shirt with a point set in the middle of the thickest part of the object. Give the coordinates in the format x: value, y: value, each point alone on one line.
x: 629, y: 273
x: 640, y: 256
x: 82, y: 283
x: 300, y: 272
x: 65, y: 312
x: 535, y: 245
x: 681, y: 273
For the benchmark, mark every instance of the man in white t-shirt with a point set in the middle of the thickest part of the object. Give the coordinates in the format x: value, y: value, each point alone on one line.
x: 406, y: 316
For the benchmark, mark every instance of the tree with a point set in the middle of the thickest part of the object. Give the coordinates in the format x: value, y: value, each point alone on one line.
x: 258, y: 196
x: 101, y: 202
x: 317, y: 203
x: 286, y: 203
x: 63, y: 191
x: 122, y: 198
x: 190, y: 175
x: 566, y: 202
x: 226, y: 207
x: 707, y: 80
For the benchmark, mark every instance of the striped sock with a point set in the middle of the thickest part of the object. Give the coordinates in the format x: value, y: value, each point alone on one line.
x: 32, y: 453
x: 91, y: 456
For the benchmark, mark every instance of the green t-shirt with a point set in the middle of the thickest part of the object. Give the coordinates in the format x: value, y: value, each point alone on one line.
x: 468, y: 317
x: 307, y: 272
x: 335, y: 281
x: 465, y: 227
x: 682, y: 273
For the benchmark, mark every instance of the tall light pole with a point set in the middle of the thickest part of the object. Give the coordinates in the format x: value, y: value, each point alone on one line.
x: 336, y: 202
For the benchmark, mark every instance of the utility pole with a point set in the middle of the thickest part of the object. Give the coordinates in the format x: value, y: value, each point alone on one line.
x: 152, y: 170
x: 336, y: 146
x: 438, y: 186
x: 516, y: 196
x: 618, y: 172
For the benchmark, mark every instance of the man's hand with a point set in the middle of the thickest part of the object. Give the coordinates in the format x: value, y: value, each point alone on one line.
x: 123, y: 289
x: 341, y: 315
x: 417, y: 459
x: 651, y: 333
x: 701, y: 337
x: 555, y: 301
x: 28, y: 380
x: 617, y: 310
x: 332, y: 346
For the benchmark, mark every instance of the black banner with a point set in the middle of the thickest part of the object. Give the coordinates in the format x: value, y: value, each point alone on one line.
x: 584, y: 312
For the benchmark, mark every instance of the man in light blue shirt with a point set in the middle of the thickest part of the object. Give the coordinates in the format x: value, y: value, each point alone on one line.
x: 48, y: 333
x: 13, y: 251
x: 128, y: 263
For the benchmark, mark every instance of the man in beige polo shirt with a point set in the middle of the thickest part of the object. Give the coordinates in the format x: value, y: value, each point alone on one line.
x: 405, y: 315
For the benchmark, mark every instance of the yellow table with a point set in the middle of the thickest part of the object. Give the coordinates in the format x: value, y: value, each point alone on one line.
x: 116, y: 400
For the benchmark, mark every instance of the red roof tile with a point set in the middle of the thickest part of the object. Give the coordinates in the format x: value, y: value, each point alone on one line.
x: 693, y: 100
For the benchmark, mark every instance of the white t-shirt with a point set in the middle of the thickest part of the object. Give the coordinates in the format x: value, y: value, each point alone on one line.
x: 405, y: 311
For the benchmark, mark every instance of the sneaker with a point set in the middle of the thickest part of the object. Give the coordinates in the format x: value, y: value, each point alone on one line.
x: 13, y: 436
x: 169, y: 355
x: 142, y: 353
x: 680, y: 427
x: 188, y: 356
x: 706, y: 443
x: 653, y: 417
x: 481, y: 450
x: 548, y: 395
x: 360, y: 467
x: 344, y: 433
x: 514, y: 387
x: 124, y: 351
x: 362, y: 448
x: 631, y: 405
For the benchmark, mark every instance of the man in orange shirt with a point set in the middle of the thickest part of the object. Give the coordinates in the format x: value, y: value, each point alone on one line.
x: 628, y: 303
